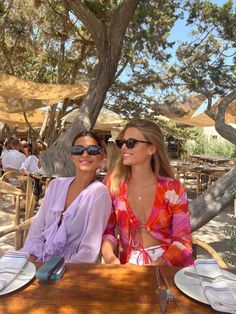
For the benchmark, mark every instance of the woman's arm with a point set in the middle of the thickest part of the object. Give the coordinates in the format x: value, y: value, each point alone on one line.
x: 109, y: 243
x: 34, y: 242
x: 179, y: 253
x: 90, y: 245
x: 108, y: 252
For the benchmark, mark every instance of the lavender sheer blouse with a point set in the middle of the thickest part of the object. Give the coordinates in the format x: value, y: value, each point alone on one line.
x: 78, y: 237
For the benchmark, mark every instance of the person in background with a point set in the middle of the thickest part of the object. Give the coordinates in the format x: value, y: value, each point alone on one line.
x: 24, y: 148
x: 13, y: 159
x: 32, y: 164
x: 6, y: 147
x: 74, y: 213
x: 149, y: 206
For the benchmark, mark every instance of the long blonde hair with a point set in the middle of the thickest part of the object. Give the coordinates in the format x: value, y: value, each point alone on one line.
x: 160, y: 162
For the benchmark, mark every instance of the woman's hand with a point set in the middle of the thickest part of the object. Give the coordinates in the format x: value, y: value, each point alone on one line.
x: 112, y: 260
x: 108, y: 253
x: 32, y: 258
x: 158, y: 262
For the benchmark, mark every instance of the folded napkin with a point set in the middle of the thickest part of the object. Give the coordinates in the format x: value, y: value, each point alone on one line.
x: 11, y: 261
x: 218, y: 293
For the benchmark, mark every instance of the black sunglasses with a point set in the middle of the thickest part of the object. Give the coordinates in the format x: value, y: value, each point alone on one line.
x: 130, y: 143
x: 91, y: 150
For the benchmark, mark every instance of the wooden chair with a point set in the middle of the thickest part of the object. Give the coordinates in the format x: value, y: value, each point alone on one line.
x: 10, y: 174
x: 22, y: 201
x: 30, y: 199
x: 193, y: 180
x: 213, y: 177
x: 21, y: 231
x: 18, y: 196
x: 198, y: 243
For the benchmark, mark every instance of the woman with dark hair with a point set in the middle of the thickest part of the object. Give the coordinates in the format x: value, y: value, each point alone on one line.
x: 150, y: 207
x: 75, y: 210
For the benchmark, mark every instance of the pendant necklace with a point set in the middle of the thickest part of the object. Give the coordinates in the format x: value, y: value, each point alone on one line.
x: 146, y: 186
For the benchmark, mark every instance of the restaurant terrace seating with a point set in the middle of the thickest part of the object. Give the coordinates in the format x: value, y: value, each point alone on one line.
x: 195, y: 181
x: 21, y: 231
x: 11, y: 176
x: 197, y: 243
x: 22, y: 205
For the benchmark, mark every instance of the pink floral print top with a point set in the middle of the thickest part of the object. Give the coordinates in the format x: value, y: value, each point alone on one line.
x: 169, y: 222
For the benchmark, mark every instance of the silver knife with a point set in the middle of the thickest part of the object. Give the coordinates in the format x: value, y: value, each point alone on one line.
x: 161, y: 291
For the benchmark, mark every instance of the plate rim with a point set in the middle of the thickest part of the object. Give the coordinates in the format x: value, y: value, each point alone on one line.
x: 23, y: 283
x: 192, y: 269
x: 181, y: 272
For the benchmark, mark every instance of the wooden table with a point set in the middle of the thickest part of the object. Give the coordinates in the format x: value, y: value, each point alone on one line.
x: 189, y: 167
x: 99, y: 289
x: 211, y: 159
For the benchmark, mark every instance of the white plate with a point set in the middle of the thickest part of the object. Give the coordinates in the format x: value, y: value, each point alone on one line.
x: 21, y: 279
x: 192, y: 287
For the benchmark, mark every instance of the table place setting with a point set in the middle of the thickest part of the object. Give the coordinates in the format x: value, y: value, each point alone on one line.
x: 208, y: 283
x: 15, y: 271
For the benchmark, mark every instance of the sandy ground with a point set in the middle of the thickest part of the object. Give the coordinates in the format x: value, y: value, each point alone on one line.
x: 213, y: 232
x: 216, y: 233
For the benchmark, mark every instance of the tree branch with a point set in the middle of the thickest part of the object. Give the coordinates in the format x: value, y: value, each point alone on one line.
x: 225, y: 130
x: 221, y: 109
x: 93, y: 25
x: 27, y: 122
x: 119, y: 22
x: 122, y: 68
x: 208, y: 109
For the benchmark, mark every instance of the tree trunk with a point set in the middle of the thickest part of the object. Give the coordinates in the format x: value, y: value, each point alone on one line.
x: 56, y: 158
x: 108, y: 38
x: 226, y: 131
x: 214, y: 200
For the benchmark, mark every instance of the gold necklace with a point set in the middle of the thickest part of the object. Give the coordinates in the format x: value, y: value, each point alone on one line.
x: 143, y: 187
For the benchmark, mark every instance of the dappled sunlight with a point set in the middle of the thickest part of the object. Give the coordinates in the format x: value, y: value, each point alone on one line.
x: 100, y: 289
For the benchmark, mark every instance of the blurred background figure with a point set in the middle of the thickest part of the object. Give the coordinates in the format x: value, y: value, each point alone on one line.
x: 13, y: 158
x: 6, y: 147
x: 32, y: 163
x: 25, y: 148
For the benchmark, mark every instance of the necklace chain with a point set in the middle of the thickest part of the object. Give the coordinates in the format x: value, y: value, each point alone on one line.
x: 143, y: 187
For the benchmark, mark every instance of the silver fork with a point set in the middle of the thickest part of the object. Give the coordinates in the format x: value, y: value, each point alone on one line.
x: 170, y: 295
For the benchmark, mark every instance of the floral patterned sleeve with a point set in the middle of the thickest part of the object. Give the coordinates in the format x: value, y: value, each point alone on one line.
x: 179, y: 253
x: 110, y: 231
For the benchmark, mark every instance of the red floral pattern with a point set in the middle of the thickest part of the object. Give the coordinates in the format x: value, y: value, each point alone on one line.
x: 168, y: 222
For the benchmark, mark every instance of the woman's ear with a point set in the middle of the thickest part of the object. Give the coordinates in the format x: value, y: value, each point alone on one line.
x: 152, y: 150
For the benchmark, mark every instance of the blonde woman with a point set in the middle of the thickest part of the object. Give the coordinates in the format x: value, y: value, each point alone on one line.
x: 150, y: 207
